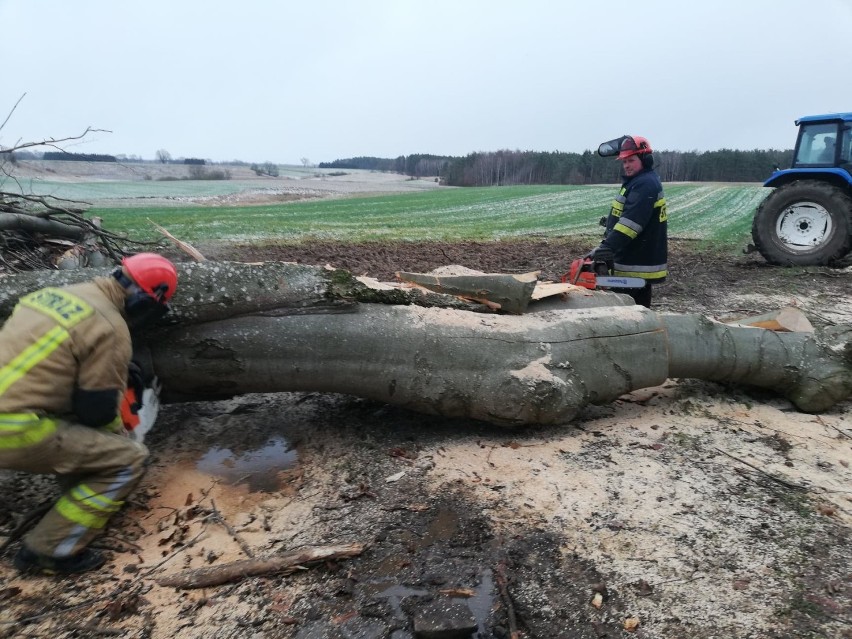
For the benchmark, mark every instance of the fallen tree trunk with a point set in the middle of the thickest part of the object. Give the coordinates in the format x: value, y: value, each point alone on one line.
x: 267, y: 328
x: 34, y: 224
x: 211, y: 291
x: 537, y: 368
x: 812, y: 371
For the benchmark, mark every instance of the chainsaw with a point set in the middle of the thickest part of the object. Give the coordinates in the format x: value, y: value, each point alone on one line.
x: 140, y: 402
x: 594, y: 274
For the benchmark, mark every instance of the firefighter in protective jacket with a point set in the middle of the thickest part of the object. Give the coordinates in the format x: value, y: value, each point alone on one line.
x: 64, y: 360
x: 636, y: 237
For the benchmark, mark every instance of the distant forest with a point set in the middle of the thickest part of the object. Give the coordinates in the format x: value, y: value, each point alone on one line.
x: 499, y: 168
x: 96, y: 157
x: 80, y: 157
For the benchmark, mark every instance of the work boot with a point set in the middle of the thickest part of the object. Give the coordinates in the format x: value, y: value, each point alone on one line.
x: 32, y: 563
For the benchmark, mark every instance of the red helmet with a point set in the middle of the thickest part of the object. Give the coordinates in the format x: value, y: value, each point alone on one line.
x: 634, y: 145
x: 153, y: 273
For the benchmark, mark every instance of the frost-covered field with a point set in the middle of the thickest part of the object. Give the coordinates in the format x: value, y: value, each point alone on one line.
x: 717, y: 213
x: 110, y: 185
x: 712, y: 211
x: 361, y: 205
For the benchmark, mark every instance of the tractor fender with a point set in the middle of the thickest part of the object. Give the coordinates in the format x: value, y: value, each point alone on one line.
x: 834, y: 176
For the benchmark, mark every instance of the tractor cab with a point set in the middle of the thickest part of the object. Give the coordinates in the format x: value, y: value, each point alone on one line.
x: 824, y: 143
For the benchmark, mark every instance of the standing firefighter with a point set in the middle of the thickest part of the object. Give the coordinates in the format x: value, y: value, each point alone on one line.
x: 65, y: 355
x: 635, y: 242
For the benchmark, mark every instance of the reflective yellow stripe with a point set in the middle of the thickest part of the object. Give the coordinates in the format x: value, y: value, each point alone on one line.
x: 66, y: 310
x: 116, y: 426
x: 19, y: 430
x: 32, y: 355
x: 618, y: 204
x: 89, y: 497
x: 654, y: 275
x: 626, y: 230
x: 17, y: 421
x: 61, y: 306
x: 77, y: 505
x: 73, y: 512
x: 664, y: 213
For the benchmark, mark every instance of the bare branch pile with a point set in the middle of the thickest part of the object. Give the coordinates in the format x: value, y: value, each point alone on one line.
x: 46, y: 232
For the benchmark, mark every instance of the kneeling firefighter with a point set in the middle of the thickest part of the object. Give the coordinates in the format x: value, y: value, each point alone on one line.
x: 65, y: 356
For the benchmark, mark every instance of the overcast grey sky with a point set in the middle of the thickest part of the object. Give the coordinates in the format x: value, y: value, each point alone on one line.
x: 264, y: 80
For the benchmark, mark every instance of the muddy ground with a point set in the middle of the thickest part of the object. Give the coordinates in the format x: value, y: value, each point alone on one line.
x: 687, y: 510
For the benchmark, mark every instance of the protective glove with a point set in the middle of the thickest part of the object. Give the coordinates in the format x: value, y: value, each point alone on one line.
x: 603, y: 259
x: 601, y: 254
x: 136, y: 381
x: 140, y: 404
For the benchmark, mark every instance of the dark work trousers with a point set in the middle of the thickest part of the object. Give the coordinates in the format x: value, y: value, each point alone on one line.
x: 642, y: 296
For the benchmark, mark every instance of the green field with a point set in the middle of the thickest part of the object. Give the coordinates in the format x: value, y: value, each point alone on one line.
x: 718, y: 213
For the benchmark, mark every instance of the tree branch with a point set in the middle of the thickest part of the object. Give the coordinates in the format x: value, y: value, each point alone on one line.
x: 243, y: 569
x: 12, y: 111
x: 54, y: 142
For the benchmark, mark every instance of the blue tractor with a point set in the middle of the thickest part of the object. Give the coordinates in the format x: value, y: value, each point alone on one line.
x: 807, y: 218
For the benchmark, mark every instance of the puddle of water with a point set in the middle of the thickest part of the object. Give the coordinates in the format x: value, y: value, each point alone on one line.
x: 396, y: 593
x: 258, y: 469
x: 480, y: 603
x: 443, y: 526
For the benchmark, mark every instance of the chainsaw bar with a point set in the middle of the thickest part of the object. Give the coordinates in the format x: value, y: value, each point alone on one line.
x: 583, y: 274
x: 613, y: 281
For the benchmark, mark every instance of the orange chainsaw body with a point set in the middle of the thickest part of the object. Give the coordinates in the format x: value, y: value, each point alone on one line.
x: 129, y: 416
x: 581, y: 274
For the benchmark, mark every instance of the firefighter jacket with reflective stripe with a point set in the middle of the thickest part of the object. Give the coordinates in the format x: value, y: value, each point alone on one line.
x: 637, y: 229
x: 61, y: 339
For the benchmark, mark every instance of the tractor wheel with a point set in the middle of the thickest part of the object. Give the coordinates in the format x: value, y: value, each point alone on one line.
x: 804, y: 223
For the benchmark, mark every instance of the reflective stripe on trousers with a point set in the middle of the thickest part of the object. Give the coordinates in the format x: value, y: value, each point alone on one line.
x: 89, y: 511
x: 102, y: 468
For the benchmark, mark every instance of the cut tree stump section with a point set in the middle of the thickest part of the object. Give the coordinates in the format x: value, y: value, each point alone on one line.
x: 787, y: 319
x: 509, y: 293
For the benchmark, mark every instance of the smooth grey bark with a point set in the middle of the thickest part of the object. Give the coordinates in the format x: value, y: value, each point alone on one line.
x: 539, y: 368
x: 210, y: 291
x: 35, y: 224
x: 241, y: 328
x: 814, y: 371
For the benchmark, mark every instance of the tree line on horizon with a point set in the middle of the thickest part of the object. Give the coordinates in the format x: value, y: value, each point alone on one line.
x: 102, y: 157
x: 498, y: 168
x: 504, y: 168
